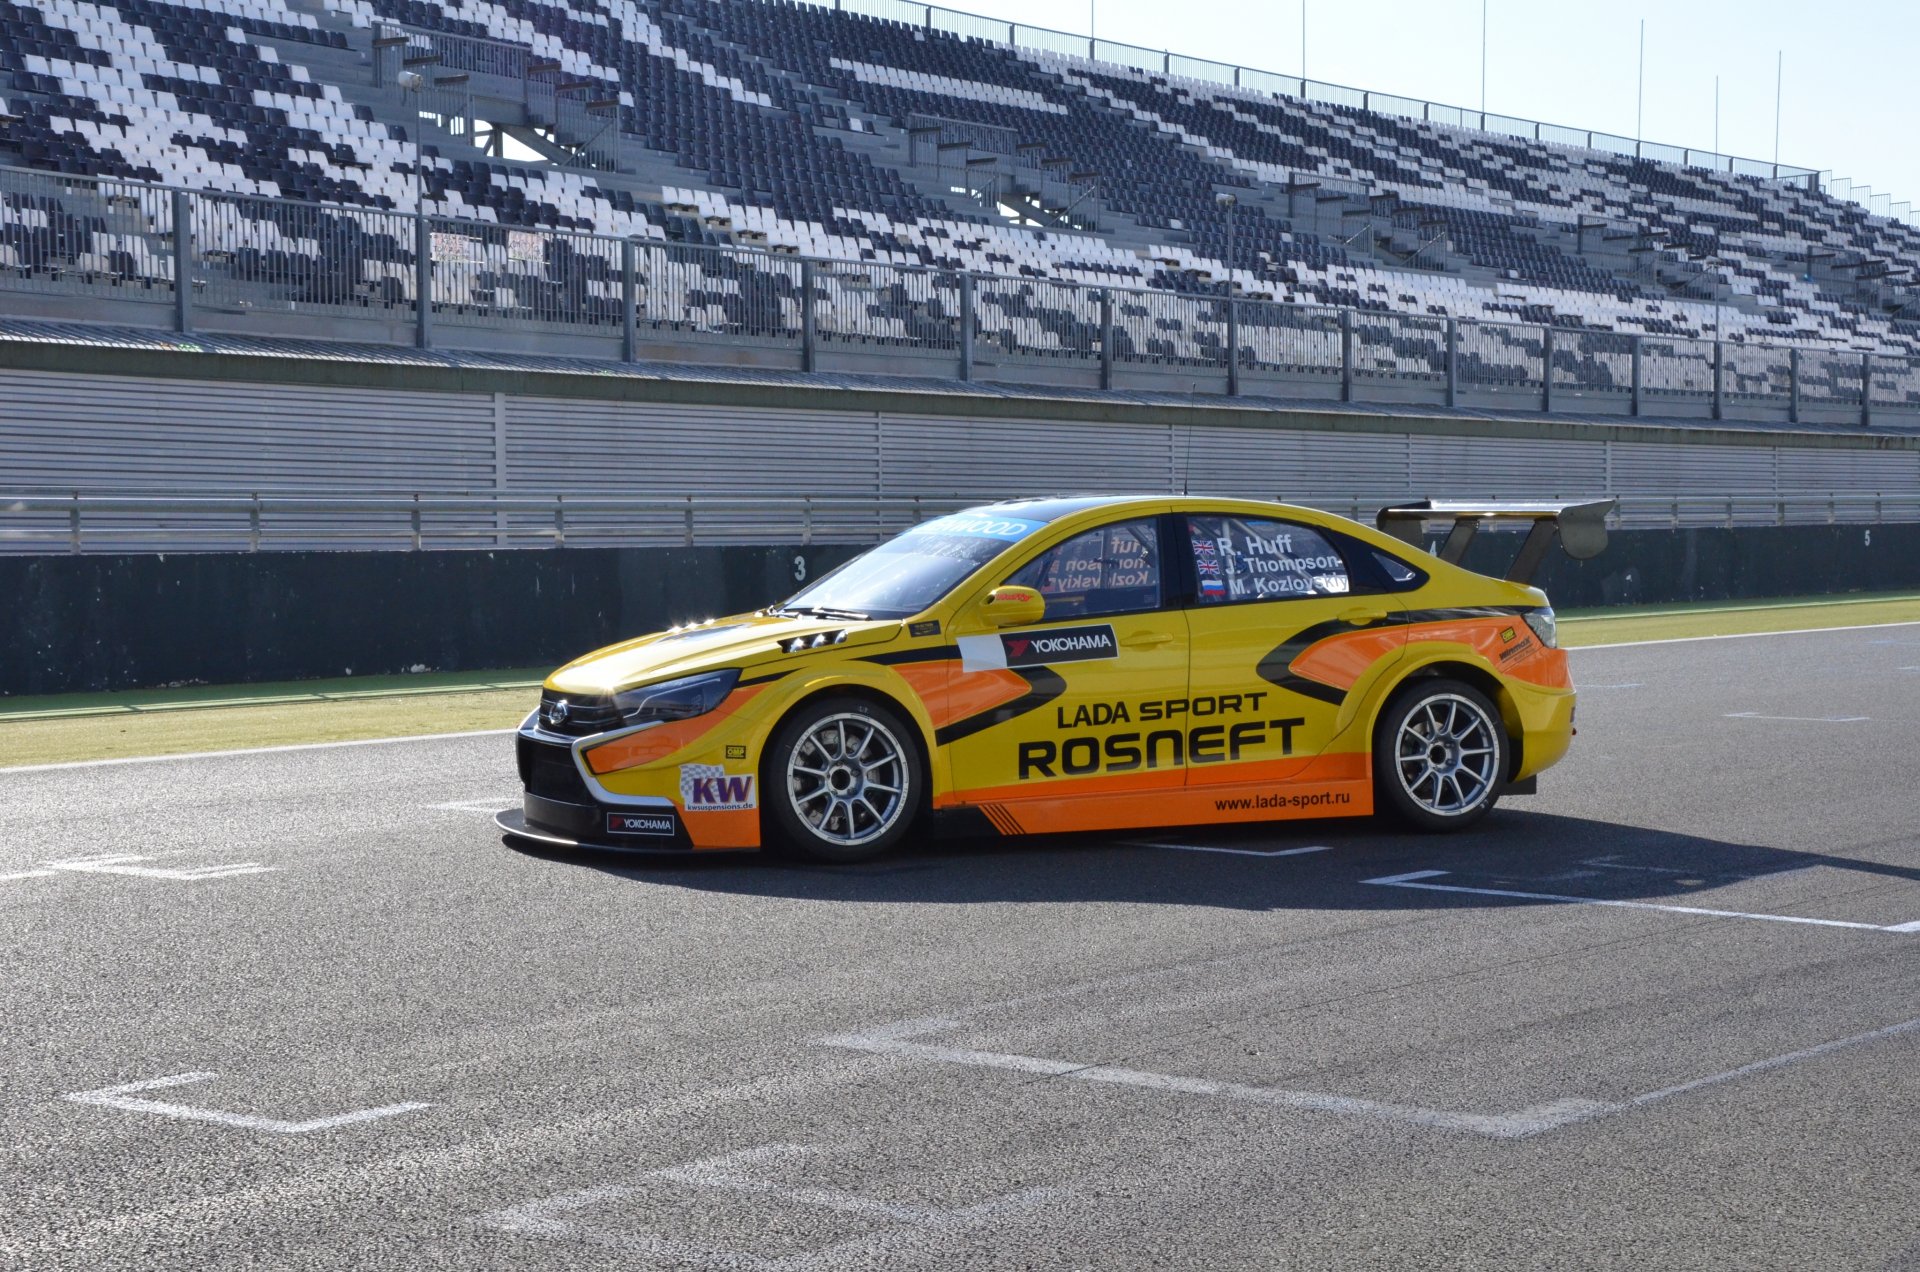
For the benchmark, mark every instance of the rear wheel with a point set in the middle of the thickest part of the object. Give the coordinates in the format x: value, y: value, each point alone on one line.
x: 842, y: 780
x: 1439, y: 756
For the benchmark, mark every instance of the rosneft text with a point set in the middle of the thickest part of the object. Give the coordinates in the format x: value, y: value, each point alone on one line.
x: 1161, y: 748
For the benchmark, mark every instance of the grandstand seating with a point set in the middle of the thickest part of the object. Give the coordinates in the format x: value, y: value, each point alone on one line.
x: 767, y: 114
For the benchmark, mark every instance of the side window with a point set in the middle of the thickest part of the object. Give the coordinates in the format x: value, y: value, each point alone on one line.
x: 1400, y: 575
x: 1112, y: 570
x: 1247, y: 559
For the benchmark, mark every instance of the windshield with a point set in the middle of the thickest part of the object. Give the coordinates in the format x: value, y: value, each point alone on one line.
x: 904, y: 575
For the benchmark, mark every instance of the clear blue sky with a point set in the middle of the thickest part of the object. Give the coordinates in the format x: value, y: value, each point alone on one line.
x: 1848, y: 103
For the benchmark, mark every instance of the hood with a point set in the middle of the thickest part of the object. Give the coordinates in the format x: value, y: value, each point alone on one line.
x: 743, y: 640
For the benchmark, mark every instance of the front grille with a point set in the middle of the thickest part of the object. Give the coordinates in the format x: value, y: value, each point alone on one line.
x: 584, y: 713
x: 549, y: 772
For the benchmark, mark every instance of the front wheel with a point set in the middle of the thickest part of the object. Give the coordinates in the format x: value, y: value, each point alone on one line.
x: 1439, y: 756
x: 842, y: 780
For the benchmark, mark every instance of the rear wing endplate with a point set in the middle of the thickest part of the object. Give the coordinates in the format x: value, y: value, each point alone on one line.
x: 1581, y: 527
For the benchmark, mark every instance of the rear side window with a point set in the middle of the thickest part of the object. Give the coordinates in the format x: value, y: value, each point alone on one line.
x: 1399, y: 573
x: 1112, y: 570
x: 1253, y: 559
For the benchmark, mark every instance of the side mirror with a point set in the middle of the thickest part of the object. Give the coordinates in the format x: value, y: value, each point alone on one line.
x: 1013, y: 606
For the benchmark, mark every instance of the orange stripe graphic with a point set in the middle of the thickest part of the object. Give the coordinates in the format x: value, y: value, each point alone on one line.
x: 966, y: 694
x: 1340, y: 661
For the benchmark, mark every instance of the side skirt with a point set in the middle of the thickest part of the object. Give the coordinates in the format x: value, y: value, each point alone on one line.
x: 1210, y: 805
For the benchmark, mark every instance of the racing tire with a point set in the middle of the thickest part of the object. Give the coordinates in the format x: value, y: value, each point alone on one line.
x: 1439, y: 756
x: 842, y: 779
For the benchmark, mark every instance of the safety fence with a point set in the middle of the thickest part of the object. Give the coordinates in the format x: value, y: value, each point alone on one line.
x: 219, y: 262
x: 934, y: 17
x: 43, y: 524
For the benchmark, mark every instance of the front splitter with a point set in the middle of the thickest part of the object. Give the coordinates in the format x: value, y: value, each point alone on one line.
x: 513, y: 822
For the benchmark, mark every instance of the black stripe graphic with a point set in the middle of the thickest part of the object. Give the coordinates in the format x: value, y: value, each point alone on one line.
x: 934, y: 653
x: 1275, y: 668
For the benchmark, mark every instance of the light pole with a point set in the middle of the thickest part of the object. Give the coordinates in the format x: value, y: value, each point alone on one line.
x: 411, y: 85
x: 1229, y: 202
x: 1706, y: 260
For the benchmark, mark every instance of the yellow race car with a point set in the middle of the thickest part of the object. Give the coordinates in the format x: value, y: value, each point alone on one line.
x: 1075, y: 664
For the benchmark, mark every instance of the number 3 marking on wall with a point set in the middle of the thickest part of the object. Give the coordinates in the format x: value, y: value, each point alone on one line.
x: 799, y: 569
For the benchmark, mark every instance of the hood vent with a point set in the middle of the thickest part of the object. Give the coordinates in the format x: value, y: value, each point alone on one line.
x: 819, y: 640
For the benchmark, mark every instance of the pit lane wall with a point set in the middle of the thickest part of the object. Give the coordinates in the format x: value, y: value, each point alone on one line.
x: 98, y: 622
x: 102, y: 412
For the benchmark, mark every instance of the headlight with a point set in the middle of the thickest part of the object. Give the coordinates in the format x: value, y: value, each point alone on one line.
x: 1544, y: 626
x: 676, y: 699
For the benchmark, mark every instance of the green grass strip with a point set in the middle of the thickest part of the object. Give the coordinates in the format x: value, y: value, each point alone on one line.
x: 280, y: 693
x: 94, y: 726
x: 1742, y: 619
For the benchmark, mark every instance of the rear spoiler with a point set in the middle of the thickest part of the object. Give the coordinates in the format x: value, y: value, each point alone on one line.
x: 1581, y: 527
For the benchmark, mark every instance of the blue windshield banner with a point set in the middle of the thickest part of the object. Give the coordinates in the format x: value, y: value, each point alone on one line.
x: 979, y: 525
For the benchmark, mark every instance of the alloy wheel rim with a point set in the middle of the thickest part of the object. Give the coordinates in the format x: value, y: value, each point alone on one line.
x: 1446, y: 753
x: 848, y: 778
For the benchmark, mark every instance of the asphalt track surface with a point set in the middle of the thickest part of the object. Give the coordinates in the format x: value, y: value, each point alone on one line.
x: 395, y: 1042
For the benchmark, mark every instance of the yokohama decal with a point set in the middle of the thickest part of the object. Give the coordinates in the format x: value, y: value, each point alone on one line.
x: 1038, y: 649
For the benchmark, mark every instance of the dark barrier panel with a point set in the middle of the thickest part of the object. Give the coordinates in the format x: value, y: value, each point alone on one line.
x: 120, y: 622
x: 1641, y: 567
x: 70, y: 623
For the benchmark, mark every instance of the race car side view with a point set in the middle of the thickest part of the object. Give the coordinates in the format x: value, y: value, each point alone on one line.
x: 1075, y: 664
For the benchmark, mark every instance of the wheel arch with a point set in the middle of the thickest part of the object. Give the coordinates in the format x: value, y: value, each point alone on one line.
x: 922, y: 733
x: 1469, y: 673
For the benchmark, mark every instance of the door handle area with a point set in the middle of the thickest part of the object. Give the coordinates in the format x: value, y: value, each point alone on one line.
x: 1146, y: 640
x: 1361, y: 615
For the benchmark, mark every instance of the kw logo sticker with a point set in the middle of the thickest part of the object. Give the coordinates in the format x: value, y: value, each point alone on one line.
x: 710, y: 788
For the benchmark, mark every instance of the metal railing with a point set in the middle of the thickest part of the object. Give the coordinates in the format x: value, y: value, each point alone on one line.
x: 1044, y: 39
x: 432, y: 277
x: 43, y: 524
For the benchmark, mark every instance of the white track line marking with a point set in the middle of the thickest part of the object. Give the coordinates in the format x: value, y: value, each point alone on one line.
x: 252, y: 750
x: 127, y: 865
x: 1797, y: 631
x: 1521, y: 1124
x: 551, y: 1216
x: 1777, y: 1062
x: 1412, y: 881
x: 894, y: 1039
x: 119, y: 1097
x: 1608, y: 863
x: 1755, y: 715
x: 1236, y: 852
x: 485, y: 804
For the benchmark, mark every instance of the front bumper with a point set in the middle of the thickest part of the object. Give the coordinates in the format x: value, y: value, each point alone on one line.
x: 561, y: 809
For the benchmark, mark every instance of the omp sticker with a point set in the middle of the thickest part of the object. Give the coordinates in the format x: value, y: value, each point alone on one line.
x: 710, y: 788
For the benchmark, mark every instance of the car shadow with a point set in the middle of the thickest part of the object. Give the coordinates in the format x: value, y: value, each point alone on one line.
x: 1332, y: 865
